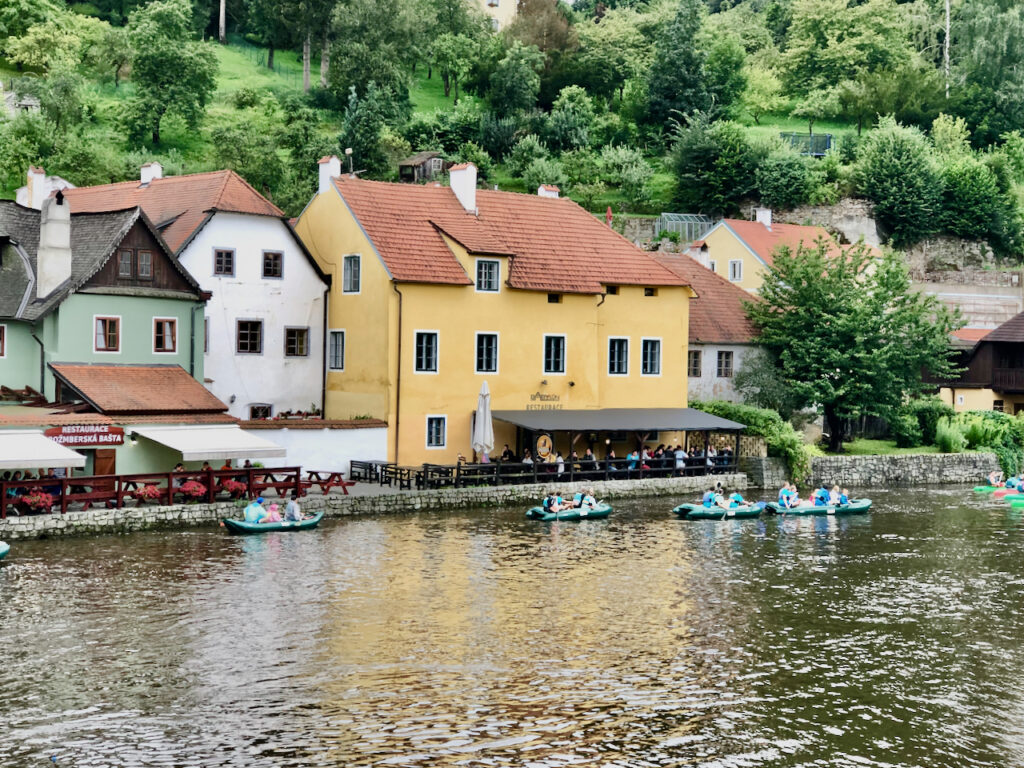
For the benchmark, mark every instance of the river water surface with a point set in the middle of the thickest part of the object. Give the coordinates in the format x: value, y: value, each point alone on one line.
x: 482, y: 639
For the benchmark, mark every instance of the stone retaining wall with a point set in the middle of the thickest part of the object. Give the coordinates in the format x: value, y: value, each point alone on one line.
x: 764, y: 471
x: 126, y: 520
x: 912, y: 469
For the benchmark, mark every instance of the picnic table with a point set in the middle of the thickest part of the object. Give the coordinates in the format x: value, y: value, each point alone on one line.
x: 326, y: 481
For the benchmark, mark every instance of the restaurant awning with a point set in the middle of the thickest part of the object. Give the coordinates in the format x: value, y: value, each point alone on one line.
x: 202, y: 442
x: 30, y: 449
x: 619, y: 420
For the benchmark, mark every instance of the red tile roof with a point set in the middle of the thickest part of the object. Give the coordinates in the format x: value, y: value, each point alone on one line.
x: 138, y: 389
x: 554, y: 244
x: 717, y: 314
x: 972, y: 334
x: 178, y: 205
x: 764, y: 241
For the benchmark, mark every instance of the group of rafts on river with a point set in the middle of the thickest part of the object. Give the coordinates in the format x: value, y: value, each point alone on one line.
x: 1010, y: 490
x: 715, y: 505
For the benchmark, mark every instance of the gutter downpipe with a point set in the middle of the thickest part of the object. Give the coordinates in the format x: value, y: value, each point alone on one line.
x: 42, y: 365
x: 398, y: 382
x: 192, y: 345
x: 323, y: 369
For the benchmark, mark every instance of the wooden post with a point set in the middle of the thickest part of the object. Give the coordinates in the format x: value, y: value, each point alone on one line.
x: 736, y: 453
x: 209, y: 486
x: 64, y: 487
x: 298, y: 482
x: 119, y: 494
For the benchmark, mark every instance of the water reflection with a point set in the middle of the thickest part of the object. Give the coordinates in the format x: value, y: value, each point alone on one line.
x: 484, y: 639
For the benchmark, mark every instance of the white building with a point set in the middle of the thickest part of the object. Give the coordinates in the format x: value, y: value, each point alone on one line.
x: 265, y: 341
x: 720, y: 335
x: 38, y: 187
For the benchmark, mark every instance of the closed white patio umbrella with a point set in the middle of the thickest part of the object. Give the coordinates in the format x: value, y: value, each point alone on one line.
x: 483, y: 427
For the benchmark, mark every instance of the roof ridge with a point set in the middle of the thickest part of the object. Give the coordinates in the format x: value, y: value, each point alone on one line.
x: 233, y: 174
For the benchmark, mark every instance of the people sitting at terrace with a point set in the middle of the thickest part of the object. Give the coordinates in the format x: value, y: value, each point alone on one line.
x: 589, y: 461
x: 507, y: 455
x: 611, y: 460
x: 206, y: 466
x: 13, y: 490
x: 632, y: 459
x: 559, y: 463
x: 680, y: 457
x: 527, y: 457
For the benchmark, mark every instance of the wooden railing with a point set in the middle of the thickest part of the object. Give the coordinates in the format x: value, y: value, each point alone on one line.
x: 1008, y: 378
x: 462, y: 475
x: 171, y: 487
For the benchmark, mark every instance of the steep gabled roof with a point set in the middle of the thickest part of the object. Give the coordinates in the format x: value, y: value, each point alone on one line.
x: 137, y: 389
x: 94, y: 238
x: 1011, y: 331
x: 716, y: 315
x: 764, y: 241
x: 180, y: 205
x: 553, y: 244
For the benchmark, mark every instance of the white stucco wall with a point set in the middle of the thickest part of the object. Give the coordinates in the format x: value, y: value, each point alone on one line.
x: 326, y: 449
x: 708, y: 386
x: 296, y: 300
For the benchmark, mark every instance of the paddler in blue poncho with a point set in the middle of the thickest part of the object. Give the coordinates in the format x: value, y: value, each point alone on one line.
x: 255, y: 512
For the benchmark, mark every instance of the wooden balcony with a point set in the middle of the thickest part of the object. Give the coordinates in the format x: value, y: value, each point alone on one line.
x: 1011, y: 379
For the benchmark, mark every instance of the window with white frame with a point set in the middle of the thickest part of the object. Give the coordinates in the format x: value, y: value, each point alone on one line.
x: 693, y: 363
x: 165, y: 334
x: 735, y: 270
x: 487, y: 353
x: 426, y: 351
x: 554, y: 354
x: 650, y: 357
x: 725, y: 365
x: 488, y: 275
x: 336, y: 350
x: 437, y: 429
x: 618, y: 356
x: 351, y: 274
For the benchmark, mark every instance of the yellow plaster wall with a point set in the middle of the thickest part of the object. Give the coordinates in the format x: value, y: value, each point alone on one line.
x: 979, y: 399
x: 330, y: 233
x: 724, y: 246
x: 502, y: 10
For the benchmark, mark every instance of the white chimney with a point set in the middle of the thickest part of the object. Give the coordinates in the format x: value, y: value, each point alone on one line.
x: 54, y: 255
x: 548, y: 190
x: 329, y: 168
x: 764, y: 216
x: 151, y: 172
x: 36, y: 186
x: 462, y: 179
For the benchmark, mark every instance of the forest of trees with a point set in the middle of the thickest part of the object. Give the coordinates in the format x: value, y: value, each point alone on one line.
x: 602, y: 98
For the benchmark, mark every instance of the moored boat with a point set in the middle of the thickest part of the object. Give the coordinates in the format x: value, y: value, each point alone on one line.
x: 855, y: 507
x: 571, y: 515
x: 1002, y: 493
x: 4, y: 549
x: 986, y: 488
x: 242, y: 527
x: 700, y: 512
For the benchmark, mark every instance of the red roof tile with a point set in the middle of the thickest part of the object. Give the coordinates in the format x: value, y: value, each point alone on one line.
x: 554, y: 244
x: 764, y: 241
x: 972, y: 334
x: 153, y: 389
x: 177, y: 205
x: 717, y: 314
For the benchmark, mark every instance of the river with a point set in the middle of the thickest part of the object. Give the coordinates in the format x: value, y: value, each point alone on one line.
x: 481, y: 639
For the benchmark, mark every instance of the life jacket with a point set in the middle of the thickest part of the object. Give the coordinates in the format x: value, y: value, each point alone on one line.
x: 844, y: 499
x: 547, y: 503
x: 736, y: 499
x: 578, y: 498
x: 709, y: 499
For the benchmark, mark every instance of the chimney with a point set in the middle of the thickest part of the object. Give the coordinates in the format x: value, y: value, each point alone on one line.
x: 548, y: 190
x: 330, y: 167
x: 36, y: 183
x: 764, y: 216
x: 462, y: 179
x: 151, y: 172
x: 54, y: 256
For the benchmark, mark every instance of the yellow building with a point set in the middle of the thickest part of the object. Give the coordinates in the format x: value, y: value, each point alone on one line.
x: 741, y: 251
x: 501, y: 12
x: 439, y: 289
x: 992, y: 362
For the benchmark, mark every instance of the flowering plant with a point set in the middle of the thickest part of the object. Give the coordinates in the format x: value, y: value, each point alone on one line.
x: 193, y: 489
x: 149, y: 493
x: 38, y: 500
x: 234, y: 487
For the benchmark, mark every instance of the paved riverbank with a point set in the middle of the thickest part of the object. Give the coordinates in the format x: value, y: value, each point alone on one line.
x: 364, y: 502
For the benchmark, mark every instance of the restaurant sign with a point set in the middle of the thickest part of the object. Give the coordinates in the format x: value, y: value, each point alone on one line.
x: 82, y: 435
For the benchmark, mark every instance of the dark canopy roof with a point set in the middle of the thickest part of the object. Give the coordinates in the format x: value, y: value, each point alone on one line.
x: 619, y: 420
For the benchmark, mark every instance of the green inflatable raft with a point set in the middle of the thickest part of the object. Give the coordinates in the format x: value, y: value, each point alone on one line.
x: 244, y: 528
x: 986, y: 488
x: 700, y: 512
x: 572, y: 515
x: 4, y: 549
x: 855, y: 507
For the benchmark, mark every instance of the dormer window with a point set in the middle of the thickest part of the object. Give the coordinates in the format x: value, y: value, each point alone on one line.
x: 488, y: 275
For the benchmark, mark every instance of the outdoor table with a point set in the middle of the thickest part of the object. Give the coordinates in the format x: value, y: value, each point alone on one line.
x: 326, y: 481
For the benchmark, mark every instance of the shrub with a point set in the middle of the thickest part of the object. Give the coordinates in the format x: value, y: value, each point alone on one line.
x: 714, y: 166
x: 544, y: 171
x: 970, y: 198
x: 470, y: 152
x: 896, y: 170
x: 780, y: 437
x: 784, y: 180
x: 906, y: 430
x: 948, y: 437
x: 928, y: 411
x: 570, y: 120
x: 246, y: 97
x: 497, y: 134
x: 526, y: 150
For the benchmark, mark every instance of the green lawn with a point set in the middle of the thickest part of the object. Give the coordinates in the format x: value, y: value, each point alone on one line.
x: 865, y: 447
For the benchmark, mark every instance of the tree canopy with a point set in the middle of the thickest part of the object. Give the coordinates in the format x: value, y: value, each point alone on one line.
x: 847, y: 333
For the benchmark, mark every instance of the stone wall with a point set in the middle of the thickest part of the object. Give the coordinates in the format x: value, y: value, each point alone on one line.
x: 850, y: 217
x: 912, y: 469
x: 764, y: 471
x: 99, y: 521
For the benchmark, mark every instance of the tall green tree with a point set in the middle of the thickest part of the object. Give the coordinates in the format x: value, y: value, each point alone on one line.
x: 516, y: 80
x: 363, y: 127
x: 714, y: 166
x: 848, y: 334
x: 172, y: 73
x: 677, y: 84
x: 612, y: 50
